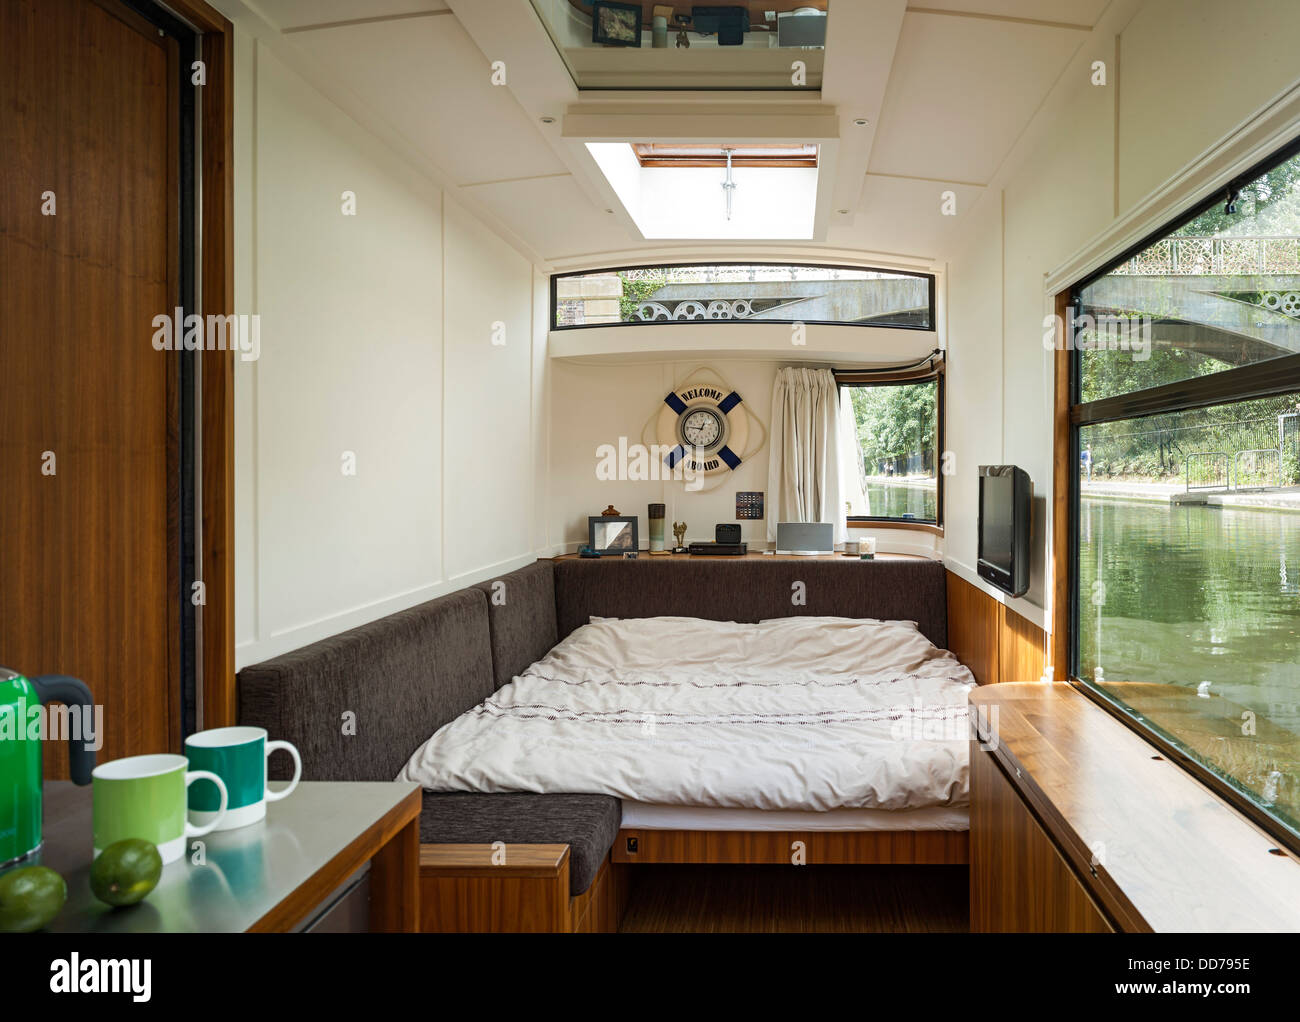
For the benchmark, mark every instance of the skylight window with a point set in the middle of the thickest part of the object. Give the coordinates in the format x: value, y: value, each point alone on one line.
x: 744, y: 191
x: 698, y: 154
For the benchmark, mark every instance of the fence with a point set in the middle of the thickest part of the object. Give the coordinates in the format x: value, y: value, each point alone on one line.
x: 1208, y: 470
x: 1222, y: 256
x: 1256, y: 470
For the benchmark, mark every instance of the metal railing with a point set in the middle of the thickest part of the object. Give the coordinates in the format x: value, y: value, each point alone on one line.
x: 1256, y: 470
x: 1208, y: 470
x: 1209, y: 256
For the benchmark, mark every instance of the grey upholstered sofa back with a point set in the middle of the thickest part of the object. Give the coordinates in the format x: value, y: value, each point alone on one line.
x: 397, y: 680
x: 521, y: 616
x: 400, y: 678
x: 751, y: 589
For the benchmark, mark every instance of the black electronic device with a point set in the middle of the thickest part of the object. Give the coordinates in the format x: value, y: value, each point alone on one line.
x: 1006, y: 498
x: 727, y: 532
x: 718, y: 549
x: 729, y: 22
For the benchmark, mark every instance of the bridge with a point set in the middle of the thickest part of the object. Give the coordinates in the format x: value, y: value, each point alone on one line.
x: 1233, y: 299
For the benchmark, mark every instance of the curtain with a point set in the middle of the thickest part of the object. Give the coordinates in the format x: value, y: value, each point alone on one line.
x: 853, y: 471
x: 803, y: 470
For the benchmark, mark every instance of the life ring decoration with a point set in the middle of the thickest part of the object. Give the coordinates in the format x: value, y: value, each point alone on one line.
x: 704, y: 427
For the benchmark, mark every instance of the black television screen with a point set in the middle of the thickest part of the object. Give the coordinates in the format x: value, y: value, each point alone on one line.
x: 1005, y: 498
x: 996, y: 520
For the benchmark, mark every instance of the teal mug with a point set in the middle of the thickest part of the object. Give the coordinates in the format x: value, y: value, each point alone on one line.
x: 238, y: 756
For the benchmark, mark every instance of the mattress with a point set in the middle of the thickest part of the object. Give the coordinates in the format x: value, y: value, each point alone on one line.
x: 647, y: 816
x: 798, y: 713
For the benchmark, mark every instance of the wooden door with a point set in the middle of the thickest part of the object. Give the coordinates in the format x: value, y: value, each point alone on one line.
x: 89, y: 446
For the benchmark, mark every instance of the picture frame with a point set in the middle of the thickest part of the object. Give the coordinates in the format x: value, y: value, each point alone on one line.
x: 615, y: 24
x: 613, y: 534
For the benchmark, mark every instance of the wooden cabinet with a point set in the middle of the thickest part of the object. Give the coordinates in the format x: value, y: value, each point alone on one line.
x: 1078, y: 824
x: 1019, y: 882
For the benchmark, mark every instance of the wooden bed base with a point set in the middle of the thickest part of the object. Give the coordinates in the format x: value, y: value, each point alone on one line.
x: 815, y: 847
x: 525, y: 888
x: 514, y: 889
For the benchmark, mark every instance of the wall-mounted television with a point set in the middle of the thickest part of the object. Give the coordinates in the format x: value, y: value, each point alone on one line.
x: 1005, y: 501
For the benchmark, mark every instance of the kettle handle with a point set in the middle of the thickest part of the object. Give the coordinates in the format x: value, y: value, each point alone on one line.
x: 61, y: 688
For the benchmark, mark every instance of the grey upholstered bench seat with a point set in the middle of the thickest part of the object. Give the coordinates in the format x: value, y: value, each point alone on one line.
x: 588, y: 824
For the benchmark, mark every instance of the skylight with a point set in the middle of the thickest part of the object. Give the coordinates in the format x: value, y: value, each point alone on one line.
x: 714, y: 191
x: 699, y: 154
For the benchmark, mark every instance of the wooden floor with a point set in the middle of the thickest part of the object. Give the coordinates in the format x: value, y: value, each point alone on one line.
x: 798, y: 899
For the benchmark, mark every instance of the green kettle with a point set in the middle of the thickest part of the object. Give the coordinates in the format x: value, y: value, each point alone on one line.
x: 20, y: 754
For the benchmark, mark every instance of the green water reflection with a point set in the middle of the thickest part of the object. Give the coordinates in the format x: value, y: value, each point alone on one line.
x: 899, y: 500
x: 1197, y: 595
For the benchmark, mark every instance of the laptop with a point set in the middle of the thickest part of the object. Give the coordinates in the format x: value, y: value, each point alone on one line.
x: 805, y: 538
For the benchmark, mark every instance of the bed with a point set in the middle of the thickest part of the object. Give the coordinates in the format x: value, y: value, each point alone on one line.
x: 851, y: 734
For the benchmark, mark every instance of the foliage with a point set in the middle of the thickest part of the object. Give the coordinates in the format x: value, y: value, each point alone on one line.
x: 895, y: 421
x: 1158, y: 446
x: 638, y: 288
x: 1269, y: 205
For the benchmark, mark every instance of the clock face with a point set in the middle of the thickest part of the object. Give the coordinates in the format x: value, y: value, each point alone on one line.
x: 702, y: 428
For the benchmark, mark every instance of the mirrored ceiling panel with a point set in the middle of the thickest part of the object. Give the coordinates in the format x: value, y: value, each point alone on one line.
x: 768, y: 45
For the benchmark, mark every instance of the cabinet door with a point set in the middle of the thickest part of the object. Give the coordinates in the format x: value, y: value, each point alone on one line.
x: 1019, y: 882
x: 89, y: 424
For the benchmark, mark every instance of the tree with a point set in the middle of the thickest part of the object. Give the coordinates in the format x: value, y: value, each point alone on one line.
x: 895, y: 420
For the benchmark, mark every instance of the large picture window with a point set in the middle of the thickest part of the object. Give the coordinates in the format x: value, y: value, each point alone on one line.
x: 1186, y: 499
x: 890, y: 435
x: 750, y: 292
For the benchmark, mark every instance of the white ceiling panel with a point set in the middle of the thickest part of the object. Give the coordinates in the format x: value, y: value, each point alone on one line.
x: 961, y: 91
x: 904, y: 217
x: 426, y: 78
x: 1069, y: 12
x: 554, y: 216
x: 297, y: 13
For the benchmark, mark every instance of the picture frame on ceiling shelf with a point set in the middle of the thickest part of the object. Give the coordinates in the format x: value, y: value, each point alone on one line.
x: 615, y: 24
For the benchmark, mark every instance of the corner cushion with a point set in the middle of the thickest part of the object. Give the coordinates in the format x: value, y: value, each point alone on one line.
x: 588, y: 824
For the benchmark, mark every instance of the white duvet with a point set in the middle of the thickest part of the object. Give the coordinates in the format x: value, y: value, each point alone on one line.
x: 794, y: 713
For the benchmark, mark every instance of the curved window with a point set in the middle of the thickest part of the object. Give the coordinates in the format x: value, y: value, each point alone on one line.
x: 892, y: 430
x: 742, y: 292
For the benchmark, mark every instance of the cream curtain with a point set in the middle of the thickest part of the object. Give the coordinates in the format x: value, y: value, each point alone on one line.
x: 804, y: 464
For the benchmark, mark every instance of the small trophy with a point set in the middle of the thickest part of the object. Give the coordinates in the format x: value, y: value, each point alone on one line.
x: 679, y: 534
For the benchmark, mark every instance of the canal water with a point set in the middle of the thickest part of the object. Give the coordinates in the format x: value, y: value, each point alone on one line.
x: 1202, y: 599
x: 901, y: 500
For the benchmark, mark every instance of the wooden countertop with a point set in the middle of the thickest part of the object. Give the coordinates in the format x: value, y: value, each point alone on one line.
x: 1162, y: 851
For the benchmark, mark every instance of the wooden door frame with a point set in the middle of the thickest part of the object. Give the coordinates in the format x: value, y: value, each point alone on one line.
x: 216, y: 413
x: 1062, y: 466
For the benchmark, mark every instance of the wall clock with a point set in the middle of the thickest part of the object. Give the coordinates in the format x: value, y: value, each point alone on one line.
x: 706, y: 428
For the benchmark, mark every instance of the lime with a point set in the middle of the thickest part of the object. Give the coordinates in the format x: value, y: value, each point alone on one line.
x: 29, y: 898
x: 125, y: 872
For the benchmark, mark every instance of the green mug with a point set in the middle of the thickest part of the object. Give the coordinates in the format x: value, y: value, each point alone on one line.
x: 238, y: 756
x: 145, y: 797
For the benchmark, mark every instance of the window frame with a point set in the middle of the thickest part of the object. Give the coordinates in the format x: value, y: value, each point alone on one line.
x: 930, y: 368
x: 929, y: 278
x: 1265, y: 378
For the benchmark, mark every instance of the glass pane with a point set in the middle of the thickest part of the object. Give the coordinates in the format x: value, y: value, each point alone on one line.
x: 891, y: 432
x: 1221, y: 291
x: 1189, y: 584
x: 608, y: 45
x: 784, y: 294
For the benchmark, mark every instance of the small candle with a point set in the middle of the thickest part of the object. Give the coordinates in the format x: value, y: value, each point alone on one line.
x: 869, y: 547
